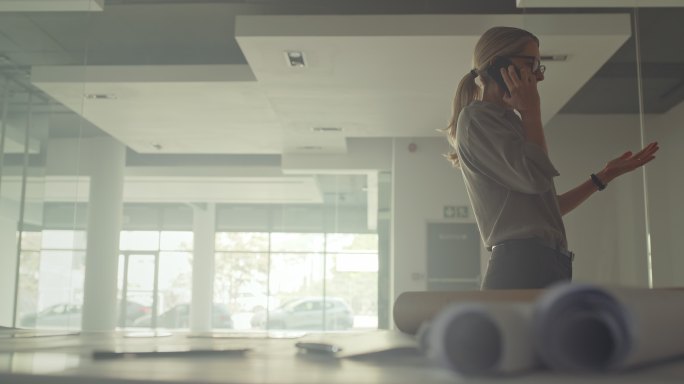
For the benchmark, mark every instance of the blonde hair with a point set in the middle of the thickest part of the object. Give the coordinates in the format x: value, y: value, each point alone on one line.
x: 496, y: 41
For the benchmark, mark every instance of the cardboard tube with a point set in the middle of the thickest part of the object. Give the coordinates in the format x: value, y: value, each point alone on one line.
x: 483, y: 339
x: 411, y: 309
x: 583, y: 327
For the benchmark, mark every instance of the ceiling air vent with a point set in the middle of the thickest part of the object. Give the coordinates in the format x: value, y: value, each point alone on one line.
x: 553, y: 57
x: 100, y: 96
x: 326, y: 129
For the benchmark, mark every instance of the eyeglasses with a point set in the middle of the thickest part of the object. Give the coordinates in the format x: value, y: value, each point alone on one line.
x: 537, y: 66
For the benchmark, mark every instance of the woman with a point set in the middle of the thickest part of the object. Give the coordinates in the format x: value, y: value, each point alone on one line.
x: 500, y: 147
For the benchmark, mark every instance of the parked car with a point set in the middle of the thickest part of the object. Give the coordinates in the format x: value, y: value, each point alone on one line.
x: 134, y: 311
x: 67, y: 315
x: 307, y: 313
x: 178, y: 316
x: 61, y: 315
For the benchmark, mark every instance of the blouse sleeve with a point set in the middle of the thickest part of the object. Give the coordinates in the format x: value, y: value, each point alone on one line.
x: 492, y: 146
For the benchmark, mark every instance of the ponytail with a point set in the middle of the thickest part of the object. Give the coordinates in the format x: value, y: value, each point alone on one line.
x: 467, y: 92
x: 496, y: 41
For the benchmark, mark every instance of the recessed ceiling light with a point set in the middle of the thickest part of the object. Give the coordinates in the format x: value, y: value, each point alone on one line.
x: 295, y: 59
x: 100, y: 96
x: 310, y: 148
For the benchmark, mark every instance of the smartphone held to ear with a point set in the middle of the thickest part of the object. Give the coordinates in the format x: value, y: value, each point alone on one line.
x: 494, y: 71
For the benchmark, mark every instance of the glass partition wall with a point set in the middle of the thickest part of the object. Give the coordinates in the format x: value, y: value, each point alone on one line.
x: 231, y: 241
x: 661, y: 95
x: 41, y: 268
x: 627, y: 233
x: 278, y: 257
x: 597, y: 114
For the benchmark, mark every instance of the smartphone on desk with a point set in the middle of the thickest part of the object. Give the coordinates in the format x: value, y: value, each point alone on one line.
x: 494, y: 71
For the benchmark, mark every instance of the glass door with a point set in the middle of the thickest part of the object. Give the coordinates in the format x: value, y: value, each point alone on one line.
x: 138, y: 273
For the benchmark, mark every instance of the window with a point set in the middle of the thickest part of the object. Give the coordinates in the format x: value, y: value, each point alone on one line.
x: 155, y: 278
x: 51, y: 273
x: 267, y: 278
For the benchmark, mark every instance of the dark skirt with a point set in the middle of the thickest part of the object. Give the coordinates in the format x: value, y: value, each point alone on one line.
x: 526, y: 264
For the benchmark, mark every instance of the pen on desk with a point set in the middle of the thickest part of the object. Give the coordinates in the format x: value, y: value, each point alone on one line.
x: 318, y: 347
x: 103, y: 355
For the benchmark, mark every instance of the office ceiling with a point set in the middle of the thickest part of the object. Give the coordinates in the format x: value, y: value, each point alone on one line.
x: 172, y: 76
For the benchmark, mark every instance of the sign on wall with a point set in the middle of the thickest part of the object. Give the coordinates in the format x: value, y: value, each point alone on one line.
x: 455, y: 211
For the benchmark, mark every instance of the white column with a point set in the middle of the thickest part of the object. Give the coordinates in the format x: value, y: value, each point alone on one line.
x: 104, y: 223
x: 204, y: 220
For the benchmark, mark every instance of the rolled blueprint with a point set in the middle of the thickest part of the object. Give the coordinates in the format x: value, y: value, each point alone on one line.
x: 482, y: 338
x: 582, y: 327
x: 411, y: 309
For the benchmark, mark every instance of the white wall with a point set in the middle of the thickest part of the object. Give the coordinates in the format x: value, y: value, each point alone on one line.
x: 607, y: 232
x: 620, y: 244
x: 423, y: 183
x: 666, y: 186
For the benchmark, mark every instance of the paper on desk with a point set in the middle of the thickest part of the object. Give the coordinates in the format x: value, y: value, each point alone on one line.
x: 587, y: 327
x: 483, y: 338
x: 366, y: 343
x: 411, y: 309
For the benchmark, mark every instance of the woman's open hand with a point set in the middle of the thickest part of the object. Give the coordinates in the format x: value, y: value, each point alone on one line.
x: 629, y: 162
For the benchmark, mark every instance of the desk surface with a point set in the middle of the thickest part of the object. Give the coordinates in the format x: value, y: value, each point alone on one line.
x: 68, y: 359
